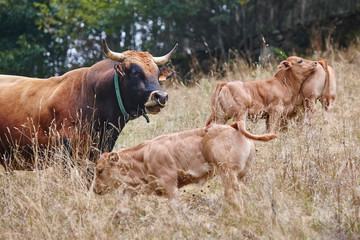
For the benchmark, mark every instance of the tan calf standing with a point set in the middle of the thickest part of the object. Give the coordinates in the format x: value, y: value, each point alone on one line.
x: 320, y: 85
x: 168, y: 162
x: 271, y: 99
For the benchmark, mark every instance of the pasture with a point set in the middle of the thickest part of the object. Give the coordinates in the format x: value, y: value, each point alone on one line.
x: 303, y: 185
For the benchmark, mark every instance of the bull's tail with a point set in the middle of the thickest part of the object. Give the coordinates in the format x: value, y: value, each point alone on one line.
x: 240, y: 125
x: 213, y: 102
x: 324, y: 64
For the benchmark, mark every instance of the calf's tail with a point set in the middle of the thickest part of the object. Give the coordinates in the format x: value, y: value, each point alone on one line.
x: 240, y: 125
x: 324, y: 64
x: 213, y: 102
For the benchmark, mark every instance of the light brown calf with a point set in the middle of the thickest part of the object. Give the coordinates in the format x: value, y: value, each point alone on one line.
x: 168, y: 162
x: 271, y: 99
x: 320, y: 85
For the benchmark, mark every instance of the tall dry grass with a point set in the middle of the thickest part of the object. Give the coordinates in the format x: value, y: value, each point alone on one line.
x: 303, y: 185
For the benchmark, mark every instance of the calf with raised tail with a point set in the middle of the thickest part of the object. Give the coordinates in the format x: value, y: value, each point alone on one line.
x: 166, y: 163
x: 271, y: 99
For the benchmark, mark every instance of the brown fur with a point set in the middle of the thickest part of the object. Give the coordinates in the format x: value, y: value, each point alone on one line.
x: 320, y: 85
x: 324, y: 64
x: 213, y: 101
x: 41, y: 112
x: 271, y: 98
x: 168, y: 162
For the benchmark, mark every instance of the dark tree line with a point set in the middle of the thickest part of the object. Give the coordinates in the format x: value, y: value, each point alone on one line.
x: 44, y: 38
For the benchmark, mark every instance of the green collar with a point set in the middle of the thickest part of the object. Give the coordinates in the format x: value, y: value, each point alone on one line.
x: 121, y: 105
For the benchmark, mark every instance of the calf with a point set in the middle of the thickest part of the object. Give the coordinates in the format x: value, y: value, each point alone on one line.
x: 320, y: 85
x: 271, y: 99
x: 168, y: 162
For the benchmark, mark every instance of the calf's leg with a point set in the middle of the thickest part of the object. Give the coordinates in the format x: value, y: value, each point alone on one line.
x: 229, y: 182
x: 273, y: 121
x: 327, y: 108
x: 124, y: 204
x: 310, y: 108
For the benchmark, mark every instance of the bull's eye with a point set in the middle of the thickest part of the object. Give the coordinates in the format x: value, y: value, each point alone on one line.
x: 100, y: 171
x: 300, y: 61
x: 135, y: 73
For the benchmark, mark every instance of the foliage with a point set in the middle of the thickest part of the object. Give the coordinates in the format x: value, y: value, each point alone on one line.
x: 47, y: 37
x: 22, y: 48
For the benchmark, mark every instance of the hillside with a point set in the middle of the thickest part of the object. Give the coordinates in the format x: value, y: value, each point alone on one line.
x: 303, y: 185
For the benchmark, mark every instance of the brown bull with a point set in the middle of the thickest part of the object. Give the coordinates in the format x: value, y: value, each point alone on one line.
x: 168, y: 162
x: 104, y: 96
x: 271, y: 99
x: 319, y: 86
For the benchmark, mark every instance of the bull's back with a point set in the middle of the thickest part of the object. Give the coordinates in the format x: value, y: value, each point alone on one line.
x: 22, y: 97
x: 22, y: 103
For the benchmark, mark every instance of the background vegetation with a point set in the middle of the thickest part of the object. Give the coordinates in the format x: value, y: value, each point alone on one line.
x: 303, y: 185
x: 47, y: 37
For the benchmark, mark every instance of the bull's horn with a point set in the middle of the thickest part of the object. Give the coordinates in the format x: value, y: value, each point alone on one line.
x: 164, y: 59
x: 119, y: 57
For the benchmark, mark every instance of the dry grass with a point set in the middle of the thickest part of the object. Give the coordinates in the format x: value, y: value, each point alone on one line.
x: 304, y: 185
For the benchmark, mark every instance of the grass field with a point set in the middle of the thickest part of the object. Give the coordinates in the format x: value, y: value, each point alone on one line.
x: 303, y: 185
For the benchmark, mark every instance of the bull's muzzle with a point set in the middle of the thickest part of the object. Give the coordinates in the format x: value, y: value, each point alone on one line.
x: 161, y: 98
x: 156, y: 101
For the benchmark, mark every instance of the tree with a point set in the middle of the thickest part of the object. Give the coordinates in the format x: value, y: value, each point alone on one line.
x: 43, y: 38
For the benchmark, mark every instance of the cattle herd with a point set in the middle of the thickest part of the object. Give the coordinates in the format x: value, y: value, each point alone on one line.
x: 125, y: 86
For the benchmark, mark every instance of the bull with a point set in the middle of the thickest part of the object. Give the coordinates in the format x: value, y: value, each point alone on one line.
x: 105, y: 97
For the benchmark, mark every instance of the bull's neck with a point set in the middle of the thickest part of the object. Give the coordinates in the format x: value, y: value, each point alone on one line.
x: 120, y: 93
x: 119, y: 99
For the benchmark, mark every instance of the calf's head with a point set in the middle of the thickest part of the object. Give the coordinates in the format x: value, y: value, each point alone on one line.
x: 140, y: 78
x: 298, y: 67
x: 106, y: 178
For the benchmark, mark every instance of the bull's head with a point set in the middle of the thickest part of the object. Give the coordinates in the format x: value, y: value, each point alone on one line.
x: 140, y: 78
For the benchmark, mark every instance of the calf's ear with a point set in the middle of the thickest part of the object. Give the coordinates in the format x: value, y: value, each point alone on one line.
x: 165, y: 74
x: 284, y: 65
x: 113, y: 158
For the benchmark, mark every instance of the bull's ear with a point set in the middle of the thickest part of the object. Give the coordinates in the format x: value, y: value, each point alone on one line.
x: 285, y: 65
x: 165, y: 74
x: 120, y: 69
x: 113, y: 158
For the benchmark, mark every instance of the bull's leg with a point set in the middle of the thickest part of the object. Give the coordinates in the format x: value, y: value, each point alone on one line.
x: 5, y: 165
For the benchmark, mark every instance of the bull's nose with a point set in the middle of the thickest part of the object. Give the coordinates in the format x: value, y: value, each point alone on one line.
x: 161, y: 97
